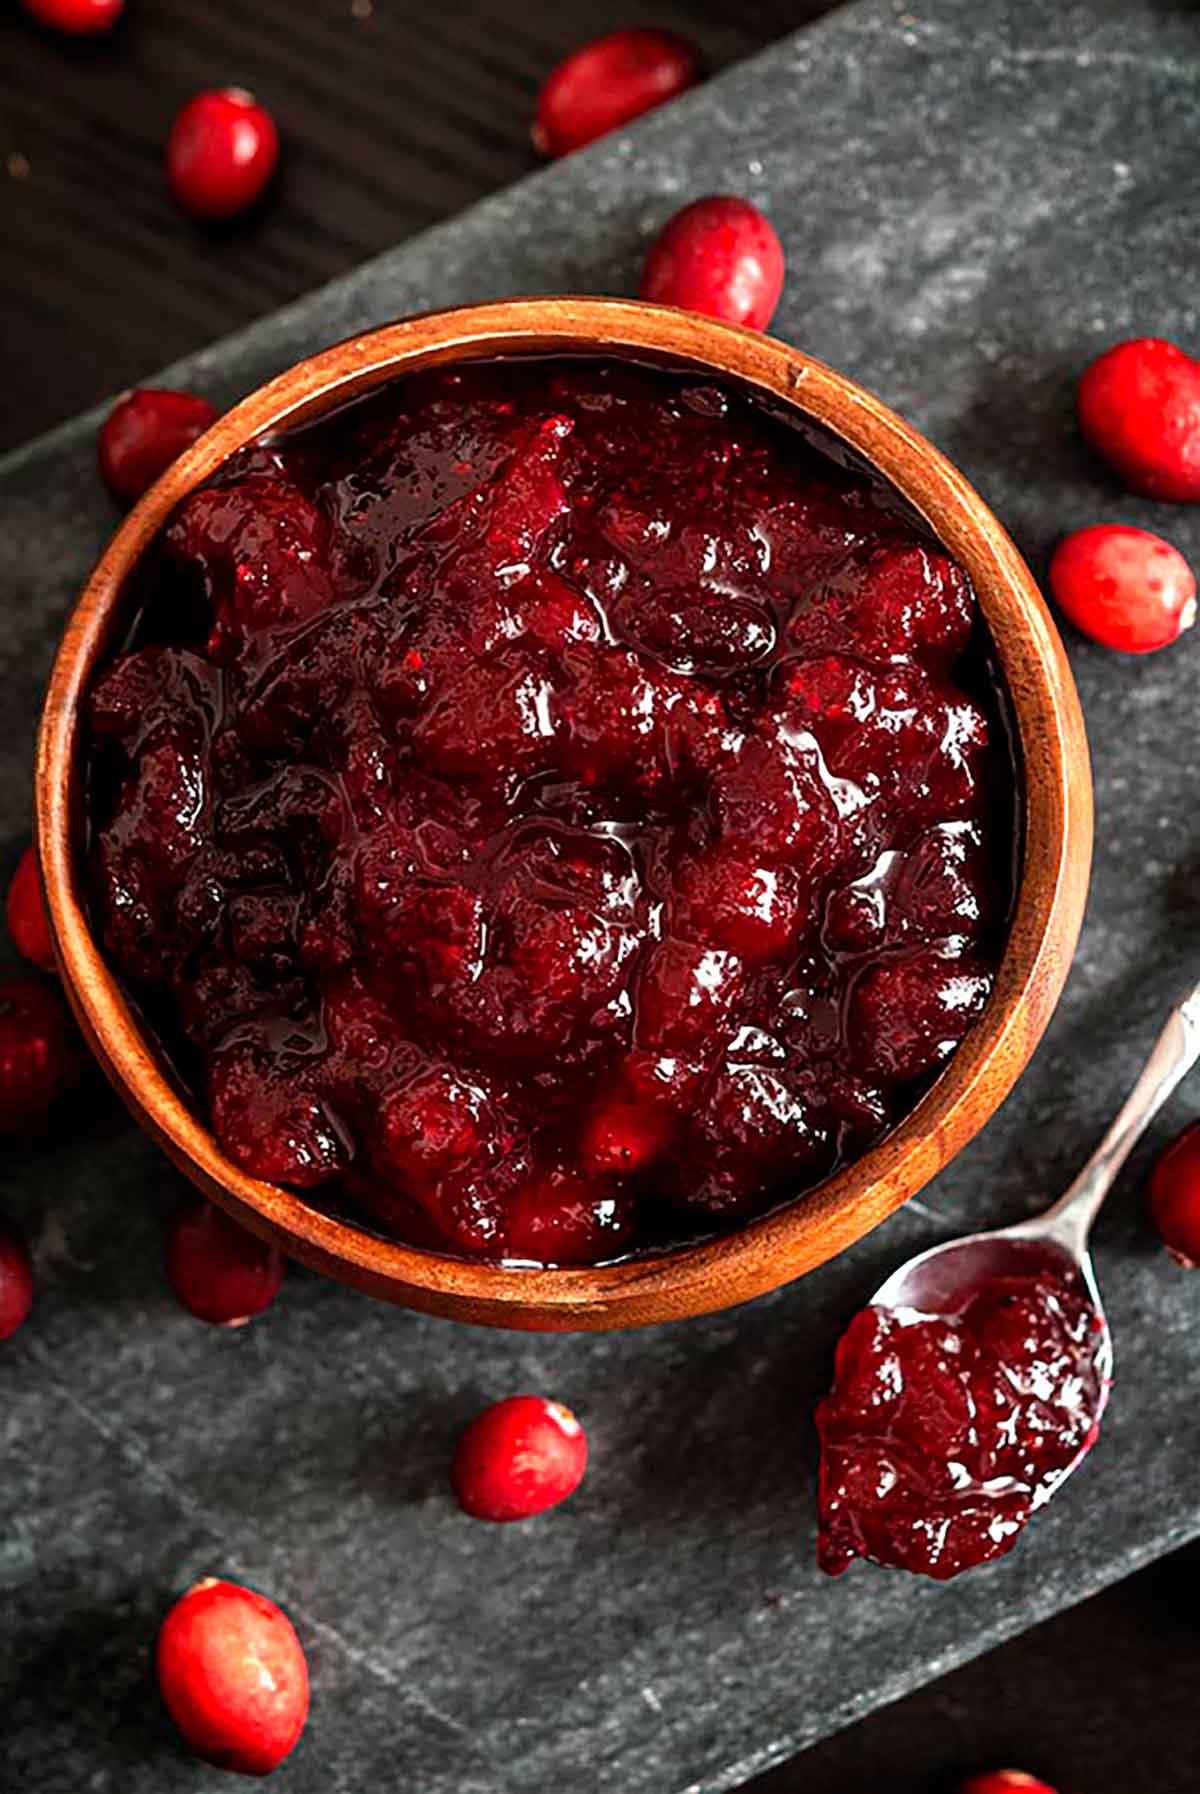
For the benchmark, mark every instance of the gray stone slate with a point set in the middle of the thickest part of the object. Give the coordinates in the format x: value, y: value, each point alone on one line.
x: 974, y: 199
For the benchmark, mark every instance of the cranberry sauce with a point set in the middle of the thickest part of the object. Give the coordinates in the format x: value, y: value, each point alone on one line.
x: 943, y: 1433
x: 551, y: 806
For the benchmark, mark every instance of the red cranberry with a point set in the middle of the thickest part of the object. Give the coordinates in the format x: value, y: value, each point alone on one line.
x: 1175, y: 1197
x: 1139, y: 406
x: 772, y: 802
x: 16, y: 1281
x: 518, y: 1458
x: 718, y: 256
x: 749, y: 1127
x: 470, y: 1204
x: 77, y: 18
x: 753, y: 910
x: 1124, y: 587
x: 687, y: 990
x: 428, y: 1126
x: 144, y: 432
x: 219, y: 1271
x: 561, y: 1219
x: 1005, y: 1781
x: 908, y: 1015
x: 39, y: 1055
x: 234, y: 1677
x: 268, y: 1121
x: 259, y: 547
x: 28, y: 926
x: 625, y: 1134
x: 904, y: 598
x: 221, y: 153
x: 607, y: 82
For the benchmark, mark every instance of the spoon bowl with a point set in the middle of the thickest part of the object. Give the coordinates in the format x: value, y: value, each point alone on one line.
x: 940, y: 1281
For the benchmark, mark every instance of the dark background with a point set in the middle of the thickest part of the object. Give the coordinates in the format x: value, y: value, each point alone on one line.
x: 393, y: 115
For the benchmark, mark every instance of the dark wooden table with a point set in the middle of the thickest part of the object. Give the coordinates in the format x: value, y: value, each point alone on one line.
x: 395, y: 115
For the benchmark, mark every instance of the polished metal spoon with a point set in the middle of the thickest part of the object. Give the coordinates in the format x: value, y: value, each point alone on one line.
x: 941, y: 1280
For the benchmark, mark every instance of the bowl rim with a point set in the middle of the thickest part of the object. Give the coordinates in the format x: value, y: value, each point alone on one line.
x: 1047, y: 912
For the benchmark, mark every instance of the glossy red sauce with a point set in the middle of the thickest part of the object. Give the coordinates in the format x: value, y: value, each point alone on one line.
x: 943, y: 1433
x: 551, y: 807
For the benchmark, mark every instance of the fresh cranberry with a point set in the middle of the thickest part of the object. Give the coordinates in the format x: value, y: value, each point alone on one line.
x: 1005, y: 1781
x: 606, y: 83
x: 77, y: 18
x: 221, y: 153
x: 518, y: 1458
x: 1175, y: 1197
x: 39, y: 1054
x: 1139, y: 406
x: 942, y: 1434
x: 219, y: 1271
x: 144, y: 432
x: 28, y: 924
x: 234, y: 1676
x: 16, y: 1280
x: 718, y: 256
x: 1124, y: 587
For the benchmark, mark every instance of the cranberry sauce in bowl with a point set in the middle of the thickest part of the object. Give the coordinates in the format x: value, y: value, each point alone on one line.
x: 551, y: 808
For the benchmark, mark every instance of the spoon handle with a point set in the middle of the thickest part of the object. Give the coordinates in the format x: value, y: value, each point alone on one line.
x: 1176, y: 1051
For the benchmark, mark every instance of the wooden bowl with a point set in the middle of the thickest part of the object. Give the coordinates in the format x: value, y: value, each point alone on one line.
x: 1048, y: 911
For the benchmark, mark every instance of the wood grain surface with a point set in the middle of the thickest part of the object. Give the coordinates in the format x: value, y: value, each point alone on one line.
x: 393, y: 115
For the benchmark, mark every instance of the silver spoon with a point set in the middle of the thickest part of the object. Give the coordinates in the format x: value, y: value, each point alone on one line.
x: 940, y: 1280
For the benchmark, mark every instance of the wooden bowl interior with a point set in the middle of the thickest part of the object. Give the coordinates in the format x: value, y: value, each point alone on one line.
x: 1056, y: 803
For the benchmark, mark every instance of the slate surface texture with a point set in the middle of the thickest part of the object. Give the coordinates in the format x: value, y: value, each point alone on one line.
x: 974, y: 200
